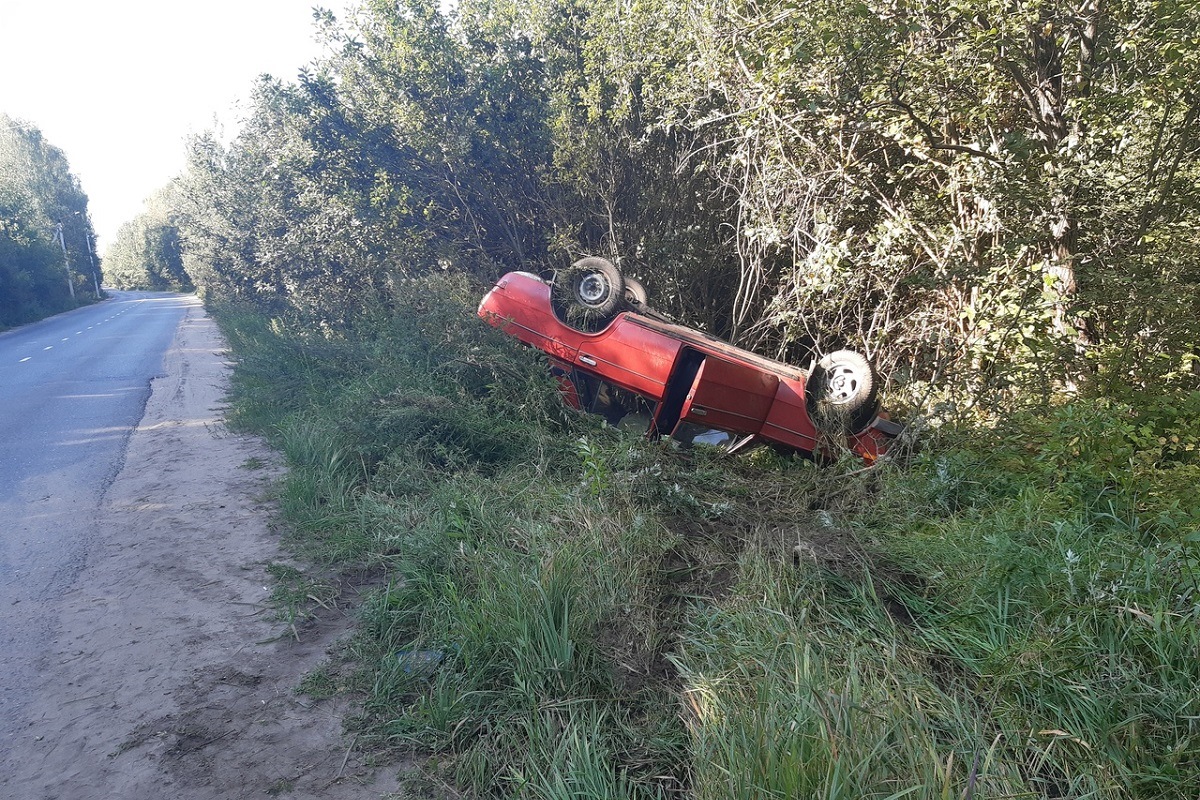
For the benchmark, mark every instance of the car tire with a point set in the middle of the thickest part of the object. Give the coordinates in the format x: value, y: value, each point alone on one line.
x: 842, y: 393
x: 587, y: 294
x: 636, y: 296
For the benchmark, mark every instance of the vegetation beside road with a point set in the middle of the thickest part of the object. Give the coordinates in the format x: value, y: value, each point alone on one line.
x: 147, y: 253
x: 567, y: 610
x: 47, y: 263
x: 998, y: 203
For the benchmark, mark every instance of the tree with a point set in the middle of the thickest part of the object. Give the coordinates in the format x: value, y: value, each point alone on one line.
x: 963, y: 190
x: 414, y: 149
x: 146, y: 253
x: 970, y: 193
x: 38, y: 194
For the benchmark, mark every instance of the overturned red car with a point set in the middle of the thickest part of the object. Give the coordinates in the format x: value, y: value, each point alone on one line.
x: 617, y: 357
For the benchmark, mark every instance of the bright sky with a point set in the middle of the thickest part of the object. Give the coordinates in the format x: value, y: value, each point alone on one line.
x: 118, y: 85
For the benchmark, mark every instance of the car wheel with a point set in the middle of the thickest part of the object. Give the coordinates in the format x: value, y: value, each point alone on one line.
x: 636, y: 296
x: 842, y: 393
x: 588, y: 293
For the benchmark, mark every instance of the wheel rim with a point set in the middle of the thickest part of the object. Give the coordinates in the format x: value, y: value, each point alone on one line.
x: 843, y: 385
x: 593, y: 289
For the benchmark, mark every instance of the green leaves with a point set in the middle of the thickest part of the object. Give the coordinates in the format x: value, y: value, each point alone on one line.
x: 38, y: 193
x: 996, y: 201
x: 147, y: 253
x: 891, y: 165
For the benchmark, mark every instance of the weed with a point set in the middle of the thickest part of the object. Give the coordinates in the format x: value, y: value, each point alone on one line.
x: 281, y: 787
x: 321, y: 683
x: 296, y: 595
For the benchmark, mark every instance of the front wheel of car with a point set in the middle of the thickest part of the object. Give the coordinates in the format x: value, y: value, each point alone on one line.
x: 842, y: 393
x: 587, y: 294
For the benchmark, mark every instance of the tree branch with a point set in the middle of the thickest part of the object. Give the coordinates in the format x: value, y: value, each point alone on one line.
x: 931, y: 137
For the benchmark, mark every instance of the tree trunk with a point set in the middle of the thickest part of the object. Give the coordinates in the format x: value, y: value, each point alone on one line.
x: 1054, y: 129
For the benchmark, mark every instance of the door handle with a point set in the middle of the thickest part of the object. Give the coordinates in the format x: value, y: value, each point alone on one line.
x: 591, y: 362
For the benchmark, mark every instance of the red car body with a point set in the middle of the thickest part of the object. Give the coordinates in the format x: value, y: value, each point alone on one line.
x: 688, y: 376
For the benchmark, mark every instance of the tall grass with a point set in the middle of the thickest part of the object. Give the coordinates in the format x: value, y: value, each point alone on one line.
x: 1066, y: 596
x: 569, y: 611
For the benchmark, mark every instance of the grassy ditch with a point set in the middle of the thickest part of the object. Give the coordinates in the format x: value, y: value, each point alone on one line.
x: 567, y: 611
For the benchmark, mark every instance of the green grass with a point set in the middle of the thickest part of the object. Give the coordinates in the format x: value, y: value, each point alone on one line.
x: 1065, y: 595
x: 568, y: 611
x: 296, y: 595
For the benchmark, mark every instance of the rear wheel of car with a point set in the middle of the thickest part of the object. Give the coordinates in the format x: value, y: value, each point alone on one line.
x: 842, y: 393
x: 587, y: 294
x: 636, y: 296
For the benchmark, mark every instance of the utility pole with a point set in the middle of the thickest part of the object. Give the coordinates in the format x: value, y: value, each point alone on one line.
x: 87, y: 239
x: 58, y: 230
x: 95, y: 275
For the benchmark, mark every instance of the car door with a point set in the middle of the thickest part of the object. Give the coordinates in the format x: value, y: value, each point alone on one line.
x: 631, y: 356
x: 730, y: 395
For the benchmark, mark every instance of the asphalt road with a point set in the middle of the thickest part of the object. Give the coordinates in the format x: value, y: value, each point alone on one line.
x: 72, y: 390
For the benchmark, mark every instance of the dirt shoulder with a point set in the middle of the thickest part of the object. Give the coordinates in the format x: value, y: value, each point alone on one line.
x: 169, y: 676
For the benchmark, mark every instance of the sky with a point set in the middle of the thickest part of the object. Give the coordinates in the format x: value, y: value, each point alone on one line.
x: 119, y: 85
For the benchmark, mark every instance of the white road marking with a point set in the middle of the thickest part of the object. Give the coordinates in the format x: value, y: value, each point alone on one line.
x: 44, y: 349
x: 23, y: 360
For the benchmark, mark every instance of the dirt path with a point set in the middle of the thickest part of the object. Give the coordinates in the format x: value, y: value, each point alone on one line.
x: 168, y: 677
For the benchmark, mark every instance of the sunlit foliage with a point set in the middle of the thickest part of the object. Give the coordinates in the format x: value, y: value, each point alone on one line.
x: 147, y: 253
x: 41, y: 273
x: 991, y: 199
